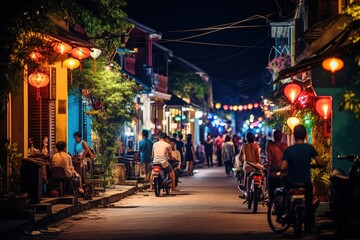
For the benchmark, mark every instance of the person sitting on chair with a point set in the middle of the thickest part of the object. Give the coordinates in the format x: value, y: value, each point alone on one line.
x: 63, y: 159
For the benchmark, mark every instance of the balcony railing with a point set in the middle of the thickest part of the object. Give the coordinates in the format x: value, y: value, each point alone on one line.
x: 161, y: 83
x: 129, y: 64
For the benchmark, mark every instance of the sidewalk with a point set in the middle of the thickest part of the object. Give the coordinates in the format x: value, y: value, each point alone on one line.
x: 51, y: 210
x: 327, y: 229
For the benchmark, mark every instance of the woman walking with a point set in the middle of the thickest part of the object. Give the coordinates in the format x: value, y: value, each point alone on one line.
x: 228, y: 154
x: 209, y: 146
x: 189, y: 155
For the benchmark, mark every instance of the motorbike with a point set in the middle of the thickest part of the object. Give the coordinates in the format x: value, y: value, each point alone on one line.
x: 290, y: 203
x: 161, y: 180
x: 257, y: 191
x: 344, y: 195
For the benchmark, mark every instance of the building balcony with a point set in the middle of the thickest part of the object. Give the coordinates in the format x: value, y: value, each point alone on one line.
x: 129, y: 64
x: 161, y: 83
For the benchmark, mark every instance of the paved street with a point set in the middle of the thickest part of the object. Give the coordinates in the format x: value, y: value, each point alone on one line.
x: 208, y: 207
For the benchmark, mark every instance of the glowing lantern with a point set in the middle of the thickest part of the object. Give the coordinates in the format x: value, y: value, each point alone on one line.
x: 71, y: 63
x: 292, y: 91
x: 250, y: 106
x: 36, y: 56
x: 235, y: 108
x: 231, y: 107
x: 245, y: 107
x: 292, y: 122
x: 323, y: 107
x: 240, y: 107
x: 260, y: 119
x: 333, y: 64
x: 38, y: 80
x: 80, y: 52
x: 226, y: 107
x: 256, y: 105
x: 218, y: 105
x: 95, y: 53
x: 62, y: 48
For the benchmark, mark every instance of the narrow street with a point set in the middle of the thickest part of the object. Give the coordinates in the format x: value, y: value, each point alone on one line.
x: 207, y: 207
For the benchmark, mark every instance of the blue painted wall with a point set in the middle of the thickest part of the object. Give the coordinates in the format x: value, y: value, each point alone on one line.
x: 73, y: 121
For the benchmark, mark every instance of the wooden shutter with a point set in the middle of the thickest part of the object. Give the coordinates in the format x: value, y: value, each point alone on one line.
x: 38, y: 115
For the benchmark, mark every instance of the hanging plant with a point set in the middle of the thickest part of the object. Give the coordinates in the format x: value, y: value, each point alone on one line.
x: 279, y: 63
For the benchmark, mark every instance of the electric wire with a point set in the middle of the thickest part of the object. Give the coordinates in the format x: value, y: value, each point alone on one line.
x: 223, y: 28
x: 236, y: 54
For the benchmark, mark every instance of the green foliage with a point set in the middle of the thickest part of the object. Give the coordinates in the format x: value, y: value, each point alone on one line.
x: 31, y: 21
x: 10, y: 169
x: 183, y: 82
x: 350, y: 100
x: 110, y: 96
x: 353, y: 10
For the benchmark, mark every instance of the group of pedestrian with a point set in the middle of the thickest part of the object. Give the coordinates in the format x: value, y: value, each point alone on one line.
x: 183, y: 152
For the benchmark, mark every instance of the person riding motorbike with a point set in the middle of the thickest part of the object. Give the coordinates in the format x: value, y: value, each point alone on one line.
x: 249, y: 152
x: 297, y: 162
x: 161, y: 152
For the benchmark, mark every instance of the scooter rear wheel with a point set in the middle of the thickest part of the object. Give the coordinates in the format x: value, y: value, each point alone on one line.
x: 273, y: 215
x: 157, y: 186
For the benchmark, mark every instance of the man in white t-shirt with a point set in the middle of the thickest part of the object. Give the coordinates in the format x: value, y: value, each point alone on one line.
x: 161, y: 152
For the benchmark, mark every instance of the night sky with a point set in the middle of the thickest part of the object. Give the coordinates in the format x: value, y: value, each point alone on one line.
x: 238, y: 71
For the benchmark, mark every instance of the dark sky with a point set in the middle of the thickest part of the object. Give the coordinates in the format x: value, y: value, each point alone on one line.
x: 238, y: 72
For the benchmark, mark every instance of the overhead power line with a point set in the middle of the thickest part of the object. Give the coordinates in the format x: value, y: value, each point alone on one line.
x: 216, y: 28
x: 227, y: 26
x: 216, y: 44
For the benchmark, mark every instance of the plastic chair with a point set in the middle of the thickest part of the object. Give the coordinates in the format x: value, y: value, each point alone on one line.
x: 60, y: 181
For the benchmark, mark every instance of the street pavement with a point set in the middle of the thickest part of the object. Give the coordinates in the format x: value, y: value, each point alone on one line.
x: 207, y: 207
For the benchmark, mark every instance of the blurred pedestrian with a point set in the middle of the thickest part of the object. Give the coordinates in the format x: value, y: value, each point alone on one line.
x: 218, y: 144
x: 228, y: 154
x: 180, y: 146
x: 145, y: 149
x: 189, y: 155
x: 209, y: 147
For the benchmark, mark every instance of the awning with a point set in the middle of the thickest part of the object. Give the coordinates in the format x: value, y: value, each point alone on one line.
x: 176, y: 102
x: 334, y: 41
x: 72, y: 38
x: 137, y: 80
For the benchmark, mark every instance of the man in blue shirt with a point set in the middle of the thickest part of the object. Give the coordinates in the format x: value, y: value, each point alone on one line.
x: 145, y: 149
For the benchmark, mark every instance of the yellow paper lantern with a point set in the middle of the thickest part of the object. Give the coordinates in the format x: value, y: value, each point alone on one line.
x: 71, y: 64
x: 292, y: 122
x: 218, y: 105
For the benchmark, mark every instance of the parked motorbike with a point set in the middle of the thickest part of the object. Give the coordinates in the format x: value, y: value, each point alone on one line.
x: 257, y: 191
x: 344, y: 196
x: 161, y: 180
x: 290, y: 203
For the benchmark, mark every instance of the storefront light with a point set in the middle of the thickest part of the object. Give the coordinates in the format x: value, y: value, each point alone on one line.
x: 199, y: 114
x: 167, y: 113
x: 200, y: 122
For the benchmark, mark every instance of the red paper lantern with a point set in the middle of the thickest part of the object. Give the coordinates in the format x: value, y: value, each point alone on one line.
x: 62, y: 48
x: 38, y: 80
x: 226, y: 107
x: 333, y: 64
x: 292, y: 91
x: 80, y: 52
x: 35, y: 56
x: 324, y: 106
